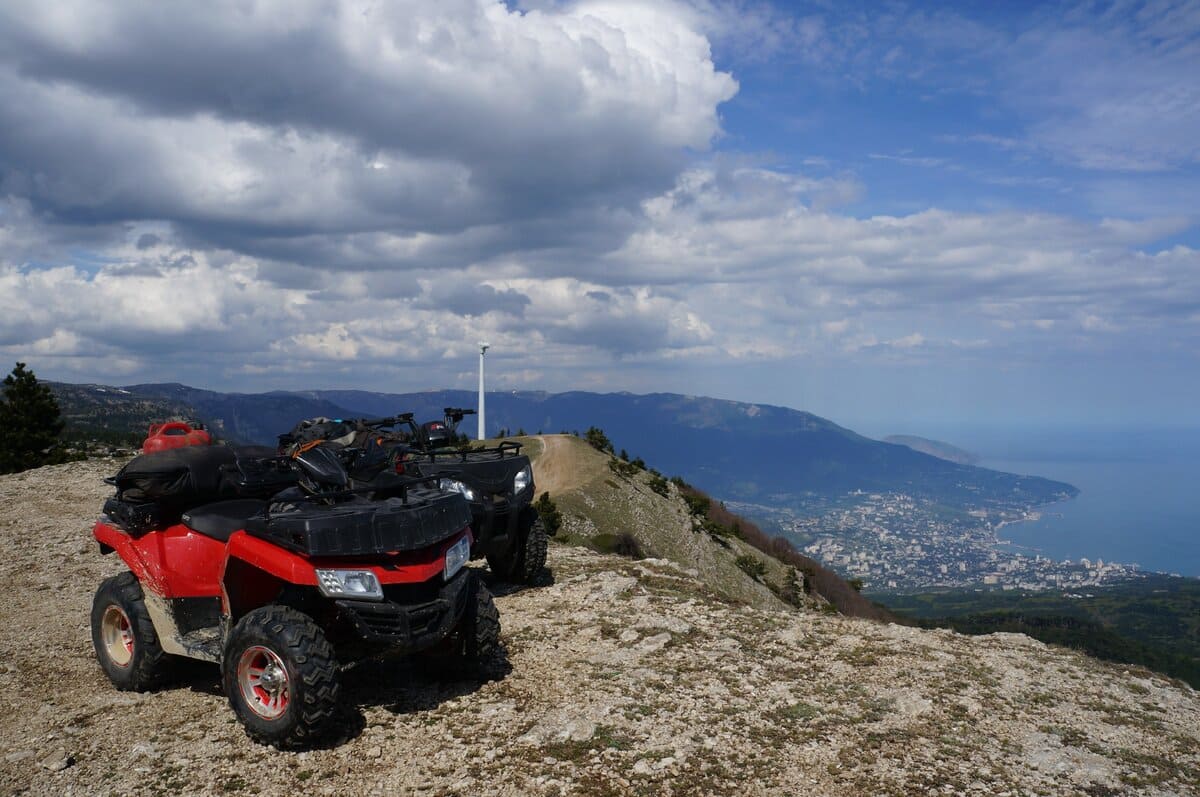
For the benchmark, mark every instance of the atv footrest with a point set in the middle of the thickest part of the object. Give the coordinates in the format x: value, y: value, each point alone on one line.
x: 203, y: 643
x: 410, y: 627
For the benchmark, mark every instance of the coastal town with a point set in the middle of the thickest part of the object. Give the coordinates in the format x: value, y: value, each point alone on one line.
x: 895, y: 542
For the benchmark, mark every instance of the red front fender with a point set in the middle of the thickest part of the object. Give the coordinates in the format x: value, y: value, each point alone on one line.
x: 270, y: 558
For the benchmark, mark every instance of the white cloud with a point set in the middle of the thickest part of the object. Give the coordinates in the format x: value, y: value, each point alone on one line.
x: 908, y: 341
x: 386, y: 129
x: 1113, y: 91
x: 299, y: 191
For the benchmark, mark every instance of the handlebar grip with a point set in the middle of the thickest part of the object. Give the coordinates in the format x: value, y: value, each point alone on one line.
x: 389, y: 421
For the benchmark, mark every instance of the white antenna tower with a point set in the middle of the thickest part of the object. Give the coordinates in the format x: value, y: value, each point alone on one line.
x: 483, y: 347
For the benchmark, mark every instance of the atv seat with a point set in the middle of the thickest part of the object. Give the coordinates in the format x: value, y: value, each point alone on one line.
x: 223, y: 518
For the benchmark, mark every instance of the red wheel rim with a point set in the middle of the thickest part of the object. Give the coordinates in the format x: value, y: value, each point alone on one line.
x: 263, y: 682
x: 116, y: 634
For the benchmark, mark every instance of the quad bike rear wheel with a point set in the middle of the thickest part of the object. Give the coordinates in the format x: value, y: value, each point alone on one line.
x: 123, y: 635
x: 523, y: 563
x: 280, y: 676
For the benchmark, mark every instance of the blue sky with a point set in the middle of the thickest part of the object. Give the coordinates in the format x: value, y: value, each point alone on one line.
x: 979, y: 107
x: 902, y: 216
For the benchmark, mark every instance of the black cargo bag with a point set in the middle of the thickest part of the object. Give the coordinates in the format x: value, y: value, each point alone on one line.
x: 178, y: 478
x: 314, y: 430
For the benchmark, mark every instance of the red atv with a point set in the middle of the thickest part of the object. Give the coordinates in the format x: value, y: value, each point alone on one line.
x: 278, y: 592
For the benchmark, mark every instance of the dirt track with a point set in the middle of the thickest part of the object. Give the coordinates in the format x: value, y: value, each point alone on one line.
x: 556, y: 469
x: 625, y: 678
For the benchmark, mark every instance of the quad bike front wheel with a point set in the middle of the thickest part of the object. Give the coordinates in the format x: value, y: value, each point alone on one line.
x: 280, y: 676
x: 473, y: 647
x: 523, y: 563
x: 481, y: 630
x: 123, y: 635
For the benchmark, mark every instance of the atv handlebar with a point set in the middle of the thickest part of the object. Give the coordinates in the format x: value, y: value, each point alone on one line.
x: 454, y: 416
x: 393, y: 420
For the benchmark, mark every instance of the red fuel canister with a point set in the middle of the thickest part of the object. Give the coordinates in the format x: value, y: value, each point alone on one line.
x: 175, y: 434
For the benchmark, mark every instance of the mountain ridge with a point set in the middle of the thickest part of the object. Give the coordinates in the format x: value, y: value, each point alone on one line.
x: 732, y: 449
x: 935, y: 448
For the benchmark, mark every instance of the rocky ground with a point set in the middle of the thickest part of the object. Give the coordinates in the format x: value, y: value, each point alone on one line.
x: 621, y: 678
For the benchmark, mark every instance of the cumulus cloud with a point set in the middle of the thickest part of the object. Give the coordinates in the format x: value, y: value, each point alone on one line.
x: 711, y: 275
x: 275, y: 121
x: 312, y: 193
x: 312, y: 182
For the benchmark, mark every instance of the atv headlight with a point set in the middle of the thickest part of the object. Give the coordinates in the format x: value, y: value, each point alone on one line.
x: 349, y: 584
x: 455, y: 486
x: 457, y: 556
x: 522, y: 480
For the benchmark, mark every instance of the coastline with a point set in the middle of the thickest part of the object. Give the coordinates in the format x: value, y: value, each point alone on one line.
x: 1030, y: 516
x: 1120, y: 571
x: 1034, y: 515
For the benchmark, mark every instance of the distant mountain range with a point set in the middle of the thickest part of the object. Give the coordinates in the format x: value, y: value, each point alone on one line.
x: 751, y: 452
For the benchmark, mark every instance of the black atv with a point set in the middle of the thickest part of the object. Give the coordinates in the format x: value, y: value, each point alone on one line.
x: 497, y: 481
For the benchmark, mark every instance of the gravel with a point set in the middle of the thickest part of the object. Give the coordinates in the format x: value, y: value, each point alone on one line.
x: 622, y: 678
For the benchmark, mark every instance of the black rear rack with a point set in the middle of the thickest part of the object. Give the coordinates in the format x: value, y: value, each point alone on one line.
x: 500, y: 451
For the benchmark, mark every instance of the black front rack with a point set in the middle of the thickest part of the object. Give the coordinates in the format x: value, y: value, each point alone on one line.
x: 282, y: 464
x: 332, y: 523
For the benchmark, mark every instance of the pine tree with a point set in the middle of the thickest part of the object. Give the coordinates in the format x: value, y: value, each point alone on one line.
x: 30, y: 422
x: 794, y: 588
x: 599, y: 440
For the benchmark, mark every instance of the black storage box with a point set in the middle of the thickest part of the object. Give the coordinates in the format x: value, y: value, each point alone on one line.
x: 365, y: 528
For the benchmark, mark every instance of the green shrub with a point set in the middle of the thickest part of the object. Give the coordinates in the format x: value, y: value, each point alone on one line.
x: 623, y: 469
x: 659, y: 485
x: 623, y: 544
x: 697, y: 504
x: 551, y: 517
x: 752, y: 566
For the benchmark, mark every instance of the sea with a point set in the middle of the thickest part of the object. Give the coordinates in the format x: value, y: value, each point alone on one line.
x: 1139, y: 500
